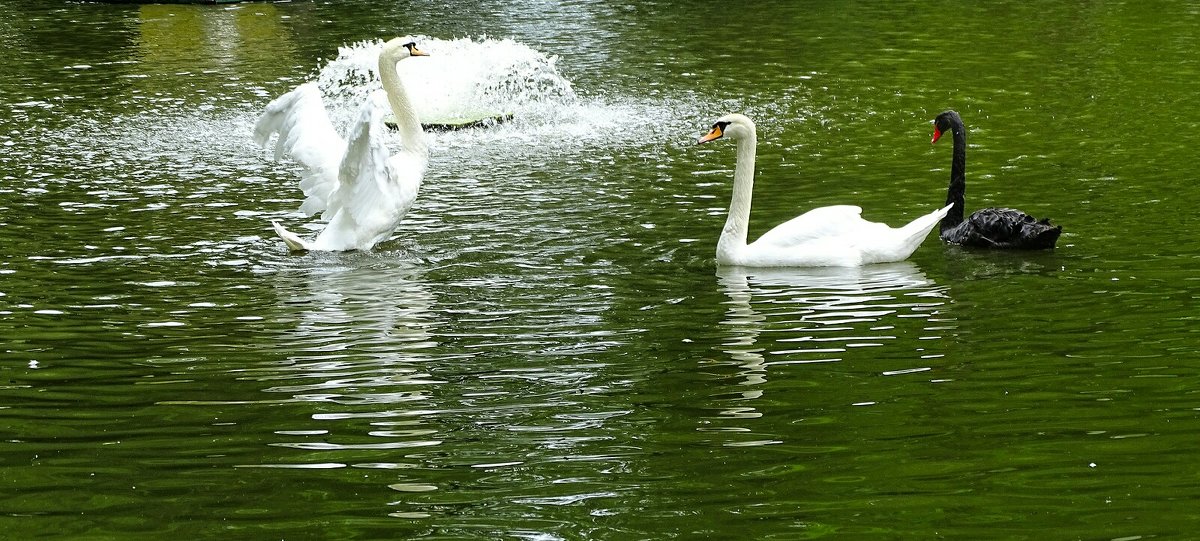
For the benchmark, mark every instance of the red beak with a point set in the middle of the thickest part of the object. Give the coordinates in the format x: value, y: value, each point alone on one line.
x: 937, y: 134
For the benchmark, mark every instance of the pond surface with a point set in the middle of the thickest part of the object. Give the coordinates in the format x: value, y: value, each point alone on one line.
x: 546, y: 348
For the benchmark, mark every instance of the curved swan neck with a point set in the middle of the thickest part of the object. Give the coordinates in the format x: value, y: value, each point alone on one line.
x: 402, y: 109
x: 956, y: 192
x: 737, y: 223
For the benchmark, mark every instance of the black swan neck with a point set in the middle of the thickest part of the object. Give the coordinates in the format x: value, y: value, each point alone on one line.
x: 957, y: 191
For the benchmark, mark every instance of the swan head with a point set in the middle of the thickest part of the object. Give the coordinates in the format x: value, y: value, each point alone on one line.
x: 947, y: 121
x: 400, y: 48
x: 731, y: 126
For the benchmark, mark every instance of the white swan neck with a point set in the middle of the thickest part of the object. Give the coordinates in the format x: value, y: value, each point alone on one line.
x: 733, y: 236
x: 402, y: 109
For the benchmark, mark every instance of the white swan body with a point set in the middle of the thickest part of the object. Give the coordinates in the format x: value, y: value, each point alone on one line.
x: 835, y: 236
x: 361, y: 190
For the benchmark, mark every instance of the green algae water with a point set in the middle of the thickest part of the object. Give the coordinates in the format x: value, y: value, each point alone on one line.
x: 546, y: 349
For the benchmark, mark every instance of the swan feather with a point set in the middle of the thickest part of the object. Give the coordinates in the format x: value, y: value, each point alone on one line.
x: 367, y: 176
x: 308, y: 137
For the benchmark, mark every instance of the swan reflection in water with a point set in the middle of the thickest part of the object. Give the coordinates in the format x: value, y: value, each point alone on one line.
x: 363, y: 327
x: 778, y: 316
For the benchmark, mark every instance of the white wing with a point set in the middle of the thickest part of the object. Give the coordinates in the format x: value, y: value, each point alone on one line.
x: 841, y: 222
x: 374, y: 190
x: 307, y: 136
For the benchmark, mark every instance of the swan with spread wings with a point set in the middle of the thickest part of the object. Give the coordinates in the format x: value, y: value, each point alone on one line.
x: 361, y: 189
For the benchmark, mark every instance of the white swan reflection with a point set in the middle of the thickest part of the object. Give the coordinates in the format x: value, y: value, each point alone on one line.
x: 359, y: 304
x: 777, y: 316
x: 359, y: 345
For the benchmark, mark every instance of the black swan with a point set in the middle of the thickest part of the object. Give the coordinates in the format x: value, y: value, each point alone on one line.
x: 991, y: 227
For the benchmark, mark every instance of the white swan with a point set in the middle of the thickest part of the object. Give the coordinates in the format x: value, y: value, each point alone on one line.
x: 822, y: 237
x: 361, y: 190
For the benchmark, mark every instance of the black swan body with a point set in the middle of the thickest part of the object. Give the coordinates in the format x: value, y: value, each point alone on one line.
x: 1002, y: 228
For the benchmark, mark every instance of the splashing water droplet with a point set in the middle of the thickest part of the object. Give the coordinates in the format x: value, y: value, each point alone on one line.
x: 462, y: 78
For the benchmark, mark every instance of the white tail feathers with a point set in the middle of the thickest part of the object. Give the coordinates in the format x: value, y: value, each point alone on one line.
x: 913, y: 234
x: 293, y: 241
x: 921, y: 226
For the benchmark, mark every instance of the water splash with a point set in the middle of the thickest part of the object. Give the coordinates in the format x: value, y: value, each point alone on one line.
x: 462, y: 78
x: 474, y: 78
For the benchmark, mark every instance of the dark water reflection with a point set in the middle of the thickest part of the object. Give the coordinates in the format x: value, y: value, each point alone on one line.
x: 546, y: 350
x: 782, y: 317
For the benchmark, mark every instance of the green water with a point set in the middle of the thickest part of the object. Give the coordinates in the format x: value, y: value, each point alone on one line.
x: 546, y: 350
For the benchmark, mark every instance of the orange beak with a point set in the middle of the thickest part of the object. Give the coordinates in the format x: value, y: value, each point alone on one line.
x: 714, y: 133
